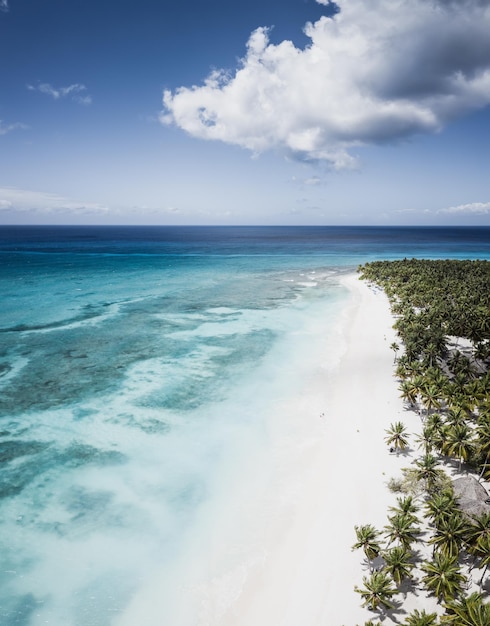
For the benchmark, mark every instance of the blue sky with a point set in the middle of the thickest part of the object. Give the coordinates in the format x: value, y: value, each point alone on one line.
x: 265, y: 112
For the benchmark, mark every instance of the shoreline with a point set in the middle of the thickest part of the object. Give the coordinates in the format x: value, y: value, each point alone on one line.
x: 308, y: 571
x: 310, y: 578
x: 290, y: 562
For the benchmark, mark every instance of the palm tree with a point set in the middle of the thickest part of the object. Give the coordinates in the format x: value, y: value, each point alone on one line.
x: 457, y: 414
x: 397, y: 436
x: 418, y: 383
x: 483, y: 553
x: 467, y: 611
x: 398, y: 563
x: 431, y: 433
x: 459, y: 443
x: 402, y: 528
x: 408, y: 392
x: 449, y: 535
x: 435, y: 421
x: 367, y: 539
x: 441, y: 437
x: 477, y: 532
x: 430, y: 397
x: 427, y: 470
x: 432, y: 350
x: 427, y: 439
x: 440, y: 506
x: 378, y: 589
x: 443, y: 577
x: 395, y: 347
x: 405, y: 505
x: 422, y: 618
x: 475, y: 392
x: 401, y: 371
x: 483, y: 439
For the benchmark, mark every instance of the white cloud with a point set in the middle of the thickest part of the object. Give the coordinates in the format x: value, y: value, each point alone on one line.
x: 7, y: 128
x: 313, y: 181
x: 85, y: 100
x: 75, y: 92
x: 376, y: 72
x: 473, y: 208
x: 39, y: 202
x: 4, y: 5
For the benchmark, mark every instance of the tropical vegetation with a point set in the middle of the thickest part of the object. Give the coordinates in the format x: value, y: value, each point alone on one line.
x: 442, y: 364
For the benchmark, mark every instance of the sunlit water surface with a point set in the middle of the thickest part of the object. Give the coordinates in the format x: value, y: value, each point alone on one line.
x: 139, y: 369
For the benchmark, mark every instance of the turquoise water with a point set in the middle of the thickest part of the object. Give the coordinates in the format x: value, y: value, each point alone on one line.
x: 140, y: 374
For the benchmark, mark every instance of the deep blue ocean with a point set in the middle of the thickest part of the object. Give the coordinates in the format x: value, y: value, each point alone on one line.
x: 141, y: 369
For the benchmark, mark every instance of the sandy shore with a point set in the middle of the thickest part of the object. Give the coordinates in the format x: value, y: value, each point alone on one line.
x: 308, y: 571
x: 283, y: 558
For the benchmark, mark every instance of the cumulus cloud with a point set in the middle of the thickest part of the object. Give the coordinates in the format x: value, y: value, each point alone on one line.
x: 473, y: 208
x: 4, y: 5
x: 377, y: 71
x: 76, y: 92
x: 7, y: 128
x: 39, y: 202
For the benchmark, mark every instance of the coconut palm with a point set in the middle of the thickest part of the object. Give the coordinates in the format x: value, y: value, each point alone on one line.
x: 440, y: 506
x: 483, y: 439
x: 421, y: 618
x: 405, y: 505
x: 395, y: 347
x: 367, y: 539
x: 398, y: 563
x: 427, y: 470
x: 467, y: 611
x: 402, y: 528
x: 443, y: 577
x: 377, y: 592
x: 449, y: 535
x: 457, y: 414
x: 483, y: 553
x: 437, y: 378
x: 432, y: 351
x: 418, y: 383
x: 459, y: 443
x: 429, y: 396
x: 477, y: 532
x: 452, y: 395
x: 441, y: 437
x: 435, y: 421
x: 427, y: 439
x: 431, y: 433
x: 408, y: 392
x: 475, y: 393
x: 397, y: 436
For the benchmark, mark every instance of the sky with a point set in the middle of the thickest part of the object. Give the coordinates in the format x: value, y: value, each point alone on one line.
x: 263, y: 112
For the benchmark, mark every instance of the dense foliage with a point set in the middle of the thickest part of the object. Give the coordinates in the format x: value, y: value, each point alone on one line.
x: 442, y: 311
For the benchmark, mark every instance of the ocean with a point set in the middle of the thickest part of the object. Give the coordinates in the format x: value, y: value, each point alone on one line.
x: 145, y: 380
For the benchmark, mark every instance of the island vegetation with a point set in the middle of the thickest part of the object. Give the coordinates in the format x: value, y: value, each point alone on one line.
x: 437, y: 537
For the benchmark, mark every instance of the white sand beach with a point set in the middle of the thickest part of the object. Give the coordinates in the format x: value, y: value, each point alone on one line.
x: 290, y: 563
x: 308, y: 574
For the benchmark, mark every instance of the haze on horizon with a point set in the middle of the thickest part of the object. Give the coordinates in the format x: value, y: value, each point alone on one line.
x: 266, y: 112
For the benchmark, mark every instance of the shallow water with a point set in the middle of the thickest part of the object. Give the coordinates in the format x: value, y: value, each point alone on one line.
x: 140, y: 372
